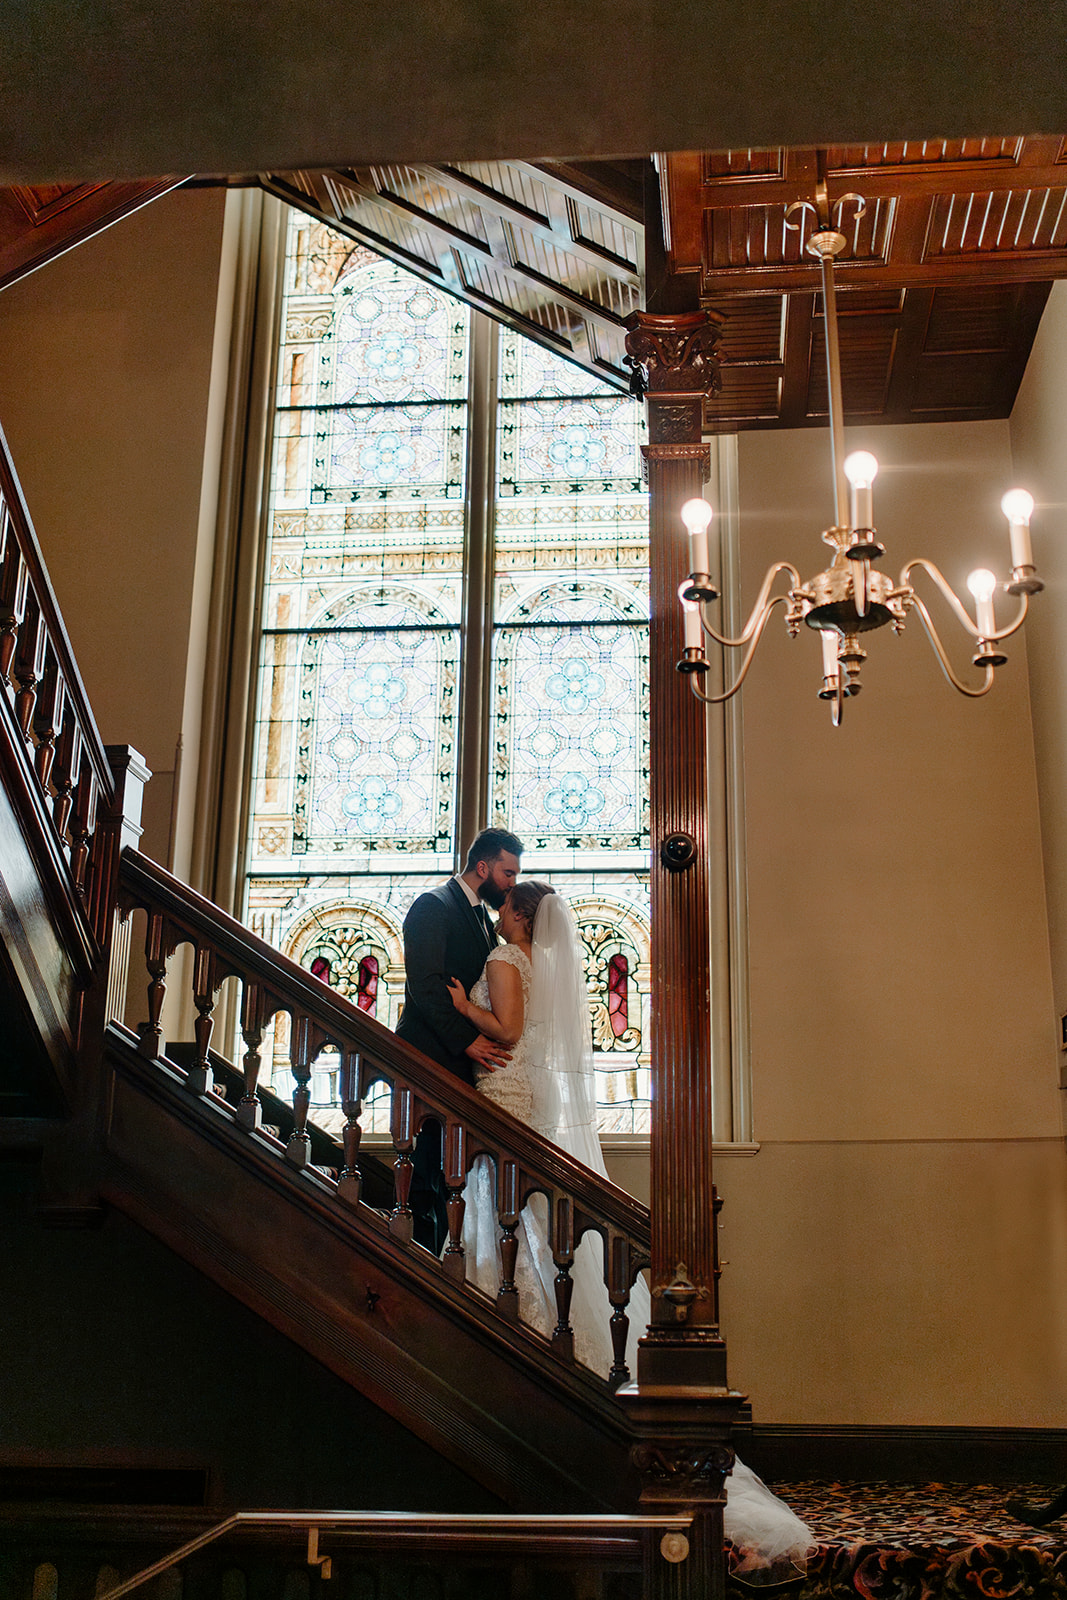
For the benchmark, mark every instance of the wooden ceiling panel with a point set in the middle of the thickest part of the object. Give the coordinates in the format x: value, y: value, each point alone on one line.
x: 867, y: 354
x: 941, y: 284
x: 41, y: 222
x: 959, y: 385
x: 749, y: 396
x: 557, y: 254
x: 972, y: 321
x: 754, y: 331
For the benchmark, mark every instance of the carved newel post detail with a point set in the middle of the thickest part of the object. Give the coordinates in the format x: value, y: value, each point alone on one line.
x: 681, y: 1406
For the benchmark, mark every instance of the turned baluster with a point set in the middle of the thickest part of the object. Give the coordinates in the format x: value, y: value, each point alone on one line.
x: 401, y: 1124
x: 29, y: 664
x: 48, y: 719
x: 157, y: 949
x: 249, y: 1108
x: 307, y: 1041
x: 83, y: 821
x: 620, y: 1277
x: 199, y: 1078
x: 455, y: 1206
x: 14, y: 588
x: 563, y: 1256
x: 350, y: 1183
x: 507, y: 1211
x: 65, y: 771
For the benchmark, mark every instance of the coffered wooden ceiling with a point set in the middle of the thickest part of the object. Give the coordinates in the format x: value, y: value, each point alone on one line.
x: 940, y: 289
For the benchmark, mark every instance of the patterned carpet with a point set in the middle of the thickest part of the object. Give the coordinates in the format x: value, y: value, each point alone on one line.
x: 909, y: 1541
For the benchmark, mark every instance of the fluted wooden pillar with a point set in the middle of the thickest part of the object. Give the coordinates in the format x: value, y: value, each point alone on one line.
x: 681, y: 1407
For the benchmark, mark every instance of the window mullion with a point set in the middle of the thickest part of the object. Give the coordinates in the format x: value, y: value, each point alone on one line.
x: 472, y: 774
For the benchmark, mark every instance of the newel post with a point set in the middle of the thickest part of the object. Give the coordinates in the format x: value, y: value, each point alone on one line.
x: 72, y: 1160
x: 681, y: 1407
x: 118, y: 827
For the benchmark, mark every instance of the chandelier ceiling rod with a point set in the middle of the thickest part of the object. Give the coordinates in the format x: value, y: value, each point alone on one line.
x: 851, y: 596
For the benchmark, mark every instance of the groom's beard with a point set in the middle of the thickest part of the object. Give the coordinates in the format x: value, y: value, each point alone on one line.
x: 492, y: 895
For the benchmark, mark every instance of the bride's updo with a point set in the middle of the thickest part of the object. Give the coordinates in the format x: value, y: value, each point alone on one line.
x: 526, y: 897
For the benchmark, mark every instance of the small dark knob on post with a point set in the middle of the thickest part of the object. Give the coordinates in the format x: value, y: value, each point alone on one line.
x: 678, y: 851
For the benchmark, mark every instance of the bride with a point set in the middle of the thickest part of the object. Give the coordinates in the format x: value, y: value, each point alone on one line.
x: 532, y: 996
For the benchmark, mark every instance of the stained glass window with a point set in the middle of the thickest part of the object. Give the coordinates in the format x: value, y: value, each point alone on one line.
x: 570, y: 663
x: 366, y: 603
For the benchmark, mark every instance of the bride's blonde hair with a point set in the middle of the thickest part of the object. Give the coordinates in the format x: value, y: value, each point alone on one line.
x: 527, y: 896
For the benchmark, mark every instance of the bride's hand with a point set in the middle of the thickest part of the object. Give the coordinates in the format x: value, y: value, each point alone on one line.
x: 459, y: 996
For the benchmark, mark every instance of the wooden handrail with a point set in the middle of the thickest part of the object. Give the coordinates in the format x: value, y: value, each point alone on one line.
x: 44, y: 689
x: 578, y: 1200
x: 590, y: 1537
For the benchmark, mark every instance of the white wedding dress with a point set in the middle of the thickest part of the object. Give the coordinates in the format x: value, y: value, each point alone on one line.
x: 548, y: 1084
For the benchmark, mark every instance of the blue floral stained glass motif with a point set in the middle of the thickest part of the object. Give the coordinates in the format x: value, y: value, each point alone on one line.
x: 570, y: 682
x: 375, y: 747
x: 391, y: 400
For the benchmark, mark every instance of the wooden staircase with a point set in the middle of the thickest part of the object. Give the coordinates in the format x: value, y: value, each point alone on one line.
x: 326, y: 1259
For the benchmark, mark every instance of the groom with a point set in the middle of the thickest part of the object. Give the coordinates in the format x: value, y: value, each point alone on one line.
x: 448, y: 933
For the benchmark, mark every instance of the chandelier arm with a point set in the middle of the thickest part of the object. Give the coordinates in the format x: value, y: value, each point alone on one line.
x: 958, y: 607
x: 945, y: 588
x: 1020, y: 618
x: 761, y: 623
x: 931, y: 634
x: 757, y: 612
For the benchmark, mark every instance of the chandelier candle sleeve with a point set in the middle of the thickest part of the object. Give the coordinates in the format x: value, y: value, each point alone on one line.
x: 694, y: 632
x: 982, y: 585
x: 1018, y: 507
x: 829, y: 654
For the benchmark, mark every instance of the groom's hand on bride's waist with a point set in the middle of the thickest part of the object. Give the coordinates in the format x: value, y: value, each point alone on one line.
x: 487, y: 1053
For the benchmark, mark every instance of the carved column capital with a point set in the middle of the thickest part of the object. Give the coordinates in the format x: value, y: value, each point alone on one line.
x: 675, y: 364
x: 689, y: 1474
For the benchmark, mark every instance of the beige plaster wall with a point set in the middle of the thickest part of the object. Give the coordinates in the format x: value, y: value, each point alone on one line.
x: 105, y: 358
x: 897, y: 1250
x: 1039, y: 448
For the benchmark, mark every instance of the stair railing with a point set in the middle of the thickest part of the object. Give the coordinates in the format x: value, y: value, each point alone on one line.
x: 655, y: 1546
x: 67, y: 767
x: 369, y: 1054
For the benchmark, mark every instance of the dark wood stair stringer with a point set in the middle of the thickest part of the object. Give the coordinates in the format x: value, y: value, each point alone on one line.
x: 486, y: 1394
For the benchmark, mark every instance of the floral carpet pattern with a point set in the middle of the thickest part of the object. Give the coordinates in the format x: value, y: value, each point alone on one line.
x: 931, y: 1541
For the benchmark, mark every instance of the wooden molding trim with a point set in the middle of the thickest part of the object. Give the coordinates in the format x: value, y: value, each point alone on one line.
x: 784, y: 1452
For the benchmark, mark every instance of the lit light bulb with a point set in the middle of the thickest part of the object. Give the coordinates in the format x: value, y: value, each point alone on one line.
x: 861, y: 469
x: 982, y: 585
x: 697, y: 515
x: 1018, y: 507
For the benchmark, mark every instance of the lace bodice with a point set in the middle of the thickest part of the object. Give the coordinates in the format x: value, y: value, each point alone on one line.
x: 508, y: 1087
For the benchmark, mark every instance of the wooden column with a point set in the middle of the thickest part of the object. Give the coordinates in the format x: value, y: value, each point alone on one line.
x: 681, y: 1407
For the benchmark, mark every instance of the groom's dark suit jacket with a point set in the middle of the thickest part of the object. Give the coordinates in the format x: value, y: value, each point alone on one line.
x: 444, y: 937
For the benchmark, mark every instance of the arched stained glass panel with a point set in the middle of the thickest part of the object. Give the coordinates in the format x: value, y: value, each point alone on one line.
x: 618, y: 994
x: 571, y: 720
x: 375, y: 758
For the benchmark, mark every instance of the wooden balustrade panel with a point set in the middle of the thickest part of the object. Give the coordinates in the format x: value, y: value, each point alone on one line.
x: 473, y: 1128
x: 43, y: 688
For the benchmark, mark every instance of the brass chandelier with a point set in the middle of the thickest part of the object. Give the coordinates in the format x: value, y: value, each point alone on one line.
x: 852, y: 596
